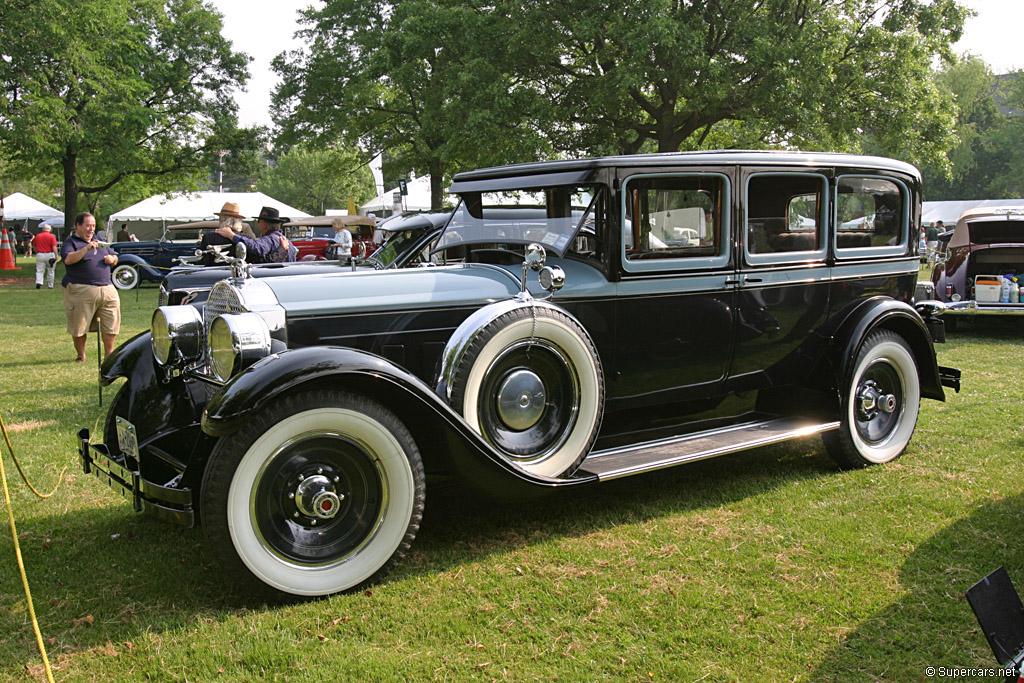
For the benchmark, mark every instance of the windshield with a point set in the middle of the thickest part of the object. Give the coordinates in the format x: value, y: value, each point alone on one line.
x: 548, y: 216
x: 396, y: 245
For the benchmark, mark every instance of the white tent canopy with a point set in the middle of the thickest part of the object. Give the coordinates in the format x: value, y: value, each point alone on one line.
x: 418, y: 199
x: 20, y: 207
x: 148, y: 218
x: 949, y: 212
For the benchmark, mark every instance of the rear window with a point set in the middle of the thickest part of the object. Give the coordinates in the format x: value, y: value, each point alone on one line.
x: 997, y: 231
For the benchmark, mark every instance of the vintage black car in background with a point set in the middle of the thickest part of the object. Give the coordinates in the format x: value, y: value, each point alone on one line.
x: 151, y: 261
x: 409, y: 237
x: 595, y: 319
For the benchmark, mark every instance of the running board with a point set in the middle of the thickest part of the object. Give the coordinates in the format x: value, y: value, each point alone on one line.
x: 655, y: 455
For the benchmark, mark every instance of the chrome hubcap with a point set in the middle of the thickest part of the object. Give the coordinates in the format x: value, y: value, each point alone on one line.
x: 315, y: 497
x: 872, y: 400
x: 521, y: 399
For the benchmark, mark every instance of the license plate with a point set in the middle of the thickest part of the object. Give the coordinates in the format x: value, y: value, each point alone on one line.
x: 126, y: 439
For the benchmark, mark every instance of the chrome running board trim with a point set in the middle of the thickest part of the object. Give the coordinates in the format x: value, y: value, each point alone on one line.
x: 655, y: 455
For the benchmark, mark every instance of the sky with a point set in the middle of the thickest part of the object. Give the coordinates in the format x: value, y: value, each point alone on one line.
x: 264, y: 30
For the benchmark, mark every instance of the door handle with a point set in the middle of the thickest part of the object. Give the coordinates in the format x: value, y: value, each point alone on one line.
x: 751, y: 279
x: 732, y: 281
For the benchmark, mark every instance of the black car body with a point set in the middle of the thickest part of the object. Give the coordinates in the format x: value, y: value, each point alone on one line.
x: 712, y: 302
x: 408, y: 238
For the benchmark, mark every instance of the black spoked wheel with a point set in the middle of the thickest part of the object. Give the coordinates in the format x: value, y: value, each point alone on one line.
x: 323, y: 494
x: 880, y: 405
x: 531, y: 384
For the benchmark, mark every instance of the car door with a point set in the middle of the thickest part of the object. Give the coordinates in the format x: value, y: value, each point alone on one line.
x: 674, y: 308
x: 783, y: 276
x: 873, y: 239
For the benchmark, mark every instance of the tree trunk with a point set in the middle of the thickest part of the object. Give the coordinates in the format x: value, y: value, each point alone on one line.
x: 70, y: 165
x: 436, y: 184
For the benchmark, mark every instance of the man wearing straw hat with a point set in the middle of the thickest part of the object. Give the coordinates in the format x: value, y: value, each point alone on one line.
x: 229, y: 218
x: 272, y: 246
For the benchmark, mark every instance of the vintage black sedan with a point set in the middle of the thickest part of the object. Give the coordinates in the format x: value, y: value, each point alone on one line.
x: 585, y: 320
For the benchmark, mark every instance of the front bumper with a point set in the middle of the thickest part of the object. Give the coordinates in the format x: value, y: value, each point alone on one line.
x: 172, y: 504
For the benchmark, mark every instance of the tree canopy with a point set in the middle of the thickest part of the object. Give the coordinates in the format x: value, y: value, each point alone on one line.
x: 460, y: 83
x: 112, y: 90
x: 986, y: 160
x: 314, y: 178
x: 424, y: 80
x: 665, y: 75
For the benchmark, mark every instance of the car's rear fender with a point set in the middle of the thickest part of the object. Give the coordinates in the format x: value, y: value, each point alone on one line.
x: 446, y: 442
x: 880, y: 313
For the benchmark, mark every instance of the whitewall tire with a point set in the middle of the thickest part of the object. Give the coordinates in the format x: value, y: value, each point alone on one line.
x: 531, y: 384
x: 125, y: 276
x: 880, y: 404
x: 319, y: 494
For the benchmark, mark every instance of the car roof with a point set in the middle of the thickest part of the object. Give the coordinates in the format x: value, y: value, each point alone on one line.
x: 320, y: 221
x: 961, y: 233
x: 415, y: 221
x: 577, y: 170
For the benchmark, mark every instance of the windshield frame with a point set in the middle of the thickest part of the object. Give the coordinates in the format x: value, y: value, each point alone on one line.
x: 557, y: 200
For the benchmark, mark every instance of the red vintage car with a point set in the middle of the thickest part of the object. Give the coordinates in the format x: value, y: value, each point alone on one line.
x: 314, y: 236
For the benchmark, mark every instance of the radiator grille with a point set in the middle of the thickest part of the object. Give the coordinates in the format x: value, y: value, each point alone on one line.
x: 223, y: 299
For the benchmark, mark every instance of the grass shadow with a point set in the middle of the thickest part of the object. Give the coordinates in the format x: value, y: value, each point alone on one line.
x: 109, y: 575
x: 931, y: 624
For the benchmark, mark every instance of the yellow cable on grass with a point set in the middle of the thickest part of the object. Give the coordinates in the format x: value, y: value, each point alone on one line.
x: 17, y: 464
x: 17, y: 549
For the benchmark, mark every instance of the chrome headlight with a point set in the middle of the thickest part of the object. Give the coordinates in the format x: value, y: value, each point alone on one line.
x: 237, y: 340
x: 177, y: 334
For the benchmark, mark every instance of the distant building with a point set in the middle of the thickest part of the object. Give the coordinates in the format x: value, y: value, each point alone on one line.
x: 1001, y: 85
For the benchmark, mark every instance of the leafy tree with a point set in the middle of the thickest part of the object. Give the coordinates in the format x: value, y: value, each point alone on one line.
x: 314, y: 178
x: 14, y: 178
x: 110, y: 90
x: 987, y: 160
x: 1005, y: 144
x: 967, y: 88
x: 669, y: 74
x: 244, y: 159
x: 425, y: 80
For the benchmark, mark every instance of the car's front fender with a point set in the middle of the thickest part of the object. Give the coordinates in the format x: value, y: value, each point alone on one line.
x: 443, y: 436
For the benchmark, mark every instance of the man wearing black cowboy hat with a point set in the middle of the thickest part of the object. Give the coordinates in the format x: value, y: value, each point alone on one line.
x: 272, y: 246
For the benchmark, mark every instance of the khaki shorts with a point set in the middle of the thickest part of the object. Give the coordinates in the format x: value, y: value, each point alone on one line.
x: 83, y: 303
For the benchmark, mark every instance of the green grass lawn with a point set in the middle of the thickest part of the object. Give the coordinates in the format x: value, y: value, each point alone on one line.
x: 770, y: 565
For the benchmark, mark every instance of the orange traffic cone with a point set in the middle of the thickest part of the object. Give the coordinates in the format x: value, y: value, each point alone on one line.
x: 6, y: 255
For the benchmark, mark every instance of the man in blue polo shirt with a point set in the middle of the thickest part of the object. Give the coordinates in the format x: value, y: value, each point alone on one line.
x: 88, y: 292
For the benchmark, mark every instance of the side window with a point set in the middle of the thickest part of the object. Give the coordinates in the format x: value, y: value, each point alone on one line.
x: 673, y: 217
x: 591, y: 238
x: 784, y: 213
x: 870, y: 213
